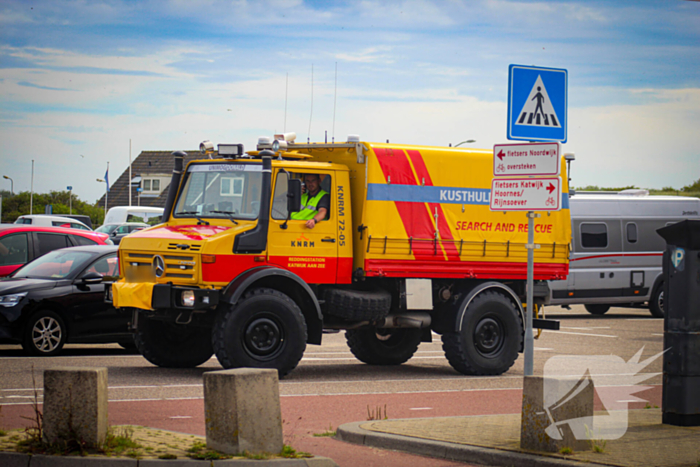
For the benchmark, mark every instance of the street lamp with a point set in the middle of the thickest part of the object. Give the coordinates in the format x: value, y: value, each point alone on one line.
x: 466, y: 142
x: 12, y: 184
x: 106, y: 193
x: 70, y: 199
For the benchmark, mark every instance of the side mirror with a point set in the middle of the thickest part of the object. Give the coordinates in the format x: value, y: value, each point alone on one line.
x: 91, y: 278
x: 114, y: 233
x: 293, y: 195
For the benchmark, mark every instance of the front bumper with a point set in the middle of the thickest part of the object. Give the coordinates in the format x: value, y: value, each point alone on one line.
x: 150, y: 296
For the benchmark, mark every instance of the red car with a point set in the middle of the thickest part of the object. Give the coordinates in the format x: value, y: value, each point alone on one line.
x: 20, y: 244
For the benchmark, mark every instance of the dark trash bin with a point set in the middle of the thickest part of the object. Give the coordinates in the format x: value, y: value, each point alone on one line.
x: 681, y: 269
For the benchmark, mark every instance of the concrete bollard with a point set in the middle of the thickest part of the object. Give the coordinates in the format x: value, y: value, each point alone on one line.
x: 242, y: 411
x: 556, y: 413
x: 75, y: 405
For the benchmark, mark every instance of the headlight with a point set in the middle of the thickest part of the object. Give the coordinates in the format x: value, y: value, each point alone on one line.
x: 11, y: 300
x: 188, y: 298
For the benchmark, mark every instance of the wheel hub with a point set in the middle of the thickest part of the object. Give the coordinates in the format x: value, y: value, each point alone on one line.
x: 263, y: 337
x: 46, y: 334
x: 488, y: 336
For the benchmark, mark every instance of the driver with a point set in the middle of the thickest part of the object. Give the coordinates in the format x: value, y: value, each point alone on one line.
x: 315, y: 203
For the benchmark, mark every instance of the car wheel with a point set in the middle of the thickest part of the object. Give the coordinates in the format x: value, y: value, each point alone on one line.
x: 44, y: 334
x: 490, y: 338
x: 656, y: 304
x: 266, y: 329
x: 597, y: 309
x: 383, y: 346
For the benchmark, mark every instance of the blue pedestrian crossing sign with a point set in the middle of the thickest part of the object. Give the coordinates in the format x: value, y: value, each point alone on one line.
x: 537, y: 103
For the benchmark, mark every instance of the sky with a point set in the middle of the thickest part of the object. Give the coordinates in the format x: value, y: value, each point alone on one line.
x: 80, y: 80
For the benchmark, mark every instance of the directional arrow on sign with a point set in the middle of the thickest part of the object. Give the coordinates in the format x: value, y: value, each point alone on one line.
x: 551, y: 188
x: 501, y: 155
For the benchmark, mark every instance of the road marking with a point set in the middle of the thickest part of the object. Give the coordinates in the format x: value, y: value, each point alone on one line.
x: 656, y: 334
x: 543, y: 349
x: 421, y: 408
x: 180, y: 416
x: 587, y: 328
x: 584, y: 334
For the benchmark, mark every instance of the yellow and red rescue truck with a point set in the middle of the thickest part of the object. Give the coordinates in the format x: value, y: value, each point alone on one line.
x: 409, y: 245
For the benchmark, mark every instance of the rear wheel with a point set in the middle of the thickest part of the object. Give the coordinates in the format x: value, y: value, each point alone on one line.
x: 597, y: 309
x: 171, y: 345
x: 266, y: 329
x: 44, y: 334
x: 490, y: 338
x: 656, y: 303
x: 383, y: 346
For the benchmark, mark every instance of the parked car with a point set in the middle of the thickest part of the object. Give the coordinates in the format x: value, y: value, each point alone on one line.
x: 121, y: 214
x: 20, y: 244
x: 47, y: 220
x: 85, y: 219
x: 59, y: 298
x: 118, y: 231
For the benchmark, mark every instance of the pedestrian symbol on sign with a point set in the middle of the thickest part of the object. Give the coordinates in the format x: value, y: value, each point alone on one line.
x: 538, y: 109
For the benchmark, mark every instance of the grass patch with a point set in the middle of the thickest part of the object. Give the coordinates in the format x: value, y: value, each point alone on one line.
x: 200, y: 451
x: 289, y: 452
x: 566, y: 451
x: 167, y: 456
x: 330, y: 432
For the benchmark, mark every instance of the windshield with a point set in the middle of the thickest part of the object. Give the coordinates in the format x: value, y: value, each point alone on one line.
x: 107, y: 228
x: 223, y: 190
x: 56, y: 264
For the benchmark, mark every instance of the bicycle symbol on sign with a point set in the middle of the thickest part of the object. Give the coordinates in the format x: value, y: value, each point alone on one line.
x: 549, y: 202
x: 501, y: 168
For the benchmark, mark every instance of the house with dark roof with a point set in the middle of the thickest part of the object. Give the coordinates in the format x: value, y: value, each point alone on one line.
x: 151, y: 172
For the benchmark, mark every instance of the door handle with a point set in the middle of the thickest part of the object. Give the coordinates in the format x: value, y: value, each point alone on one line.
x: 329, y: 240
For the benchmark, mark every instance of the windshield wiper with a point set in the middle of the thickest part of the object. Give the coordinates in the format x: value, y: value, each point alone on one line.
x: 228, y: 213
x: 194, y: 214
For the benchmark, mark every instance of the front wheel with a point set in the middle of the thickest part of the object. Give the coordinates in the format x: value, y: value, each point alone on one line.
x: 490, y: 338
x: 383, y: 346
x: 171, y: 345
x: 44, y: 334
x: 656, y: 304
x: 597, y: 309
x: 266, y: 329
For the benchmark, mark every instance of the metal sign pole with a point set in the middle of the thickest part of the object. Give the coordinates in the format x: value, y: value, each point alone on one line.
x: 529, y: 338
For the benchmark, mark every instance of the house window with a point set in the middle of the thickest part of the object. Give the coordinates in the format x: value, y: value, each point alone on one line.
x: 151, y: 185
x: 231, y: 186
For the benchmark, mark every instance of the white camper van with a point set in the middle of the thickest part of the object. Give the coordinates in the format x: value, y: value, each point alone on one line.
x: 121, y: 214
x: 616, y: 252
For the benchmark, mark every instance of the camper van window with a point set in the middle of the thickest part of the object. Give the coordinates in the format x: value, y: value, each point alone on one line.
x: 594, y: 235
x: 632, y: 233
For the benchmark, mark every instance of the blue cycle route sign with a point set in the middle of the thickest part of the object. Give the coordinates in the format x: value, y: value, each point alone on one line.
x: 537, y: 103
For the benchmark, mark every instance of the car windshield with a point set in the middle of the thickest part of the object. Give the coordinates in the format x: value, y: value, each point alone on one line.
x: 225, y: 190
x: 107, y: 228
x: 57, y: 264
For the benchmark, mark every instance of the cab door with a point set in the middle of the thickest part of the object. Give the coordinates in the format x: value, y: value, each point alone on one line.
x: 312, y: 253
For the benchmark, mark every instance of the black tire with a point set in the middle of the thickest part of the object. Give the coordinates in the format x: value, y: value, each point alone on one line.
x: 261, y: 314
x: 597, y: 309
x: 383, y: 346
x: 45, y: 333
x: 490, y: 338
x: 357, y: 305
x: 171, y: 345
x: 656, y: 302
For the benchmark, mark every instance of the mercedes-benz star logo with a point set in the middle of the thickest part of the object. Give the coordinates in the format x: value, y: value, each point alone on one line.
x: 158, y: 266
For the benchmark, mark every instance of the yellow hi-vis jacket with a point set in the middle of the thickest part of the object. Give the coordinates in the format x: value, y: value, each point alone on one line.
x: 308, y: 206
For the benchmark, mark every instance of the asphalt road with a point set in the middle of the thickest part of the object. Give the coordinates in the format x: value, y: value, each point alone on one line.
x: 331, y: 387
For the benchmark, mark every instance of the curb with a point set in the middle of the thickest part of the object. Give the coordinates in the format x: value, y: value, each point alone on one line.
x: 13, y: 459
x: 352, y: 433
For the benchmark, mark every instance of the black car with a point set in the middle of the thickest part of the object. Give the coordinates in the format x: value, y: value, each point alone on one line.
x: 59, y: 298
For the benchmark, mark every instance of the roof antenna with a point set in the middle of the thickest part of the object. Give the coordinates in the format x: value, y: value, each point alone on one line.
x: 335, y: 96
x: 286, y: 92
x: 308, y: 136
